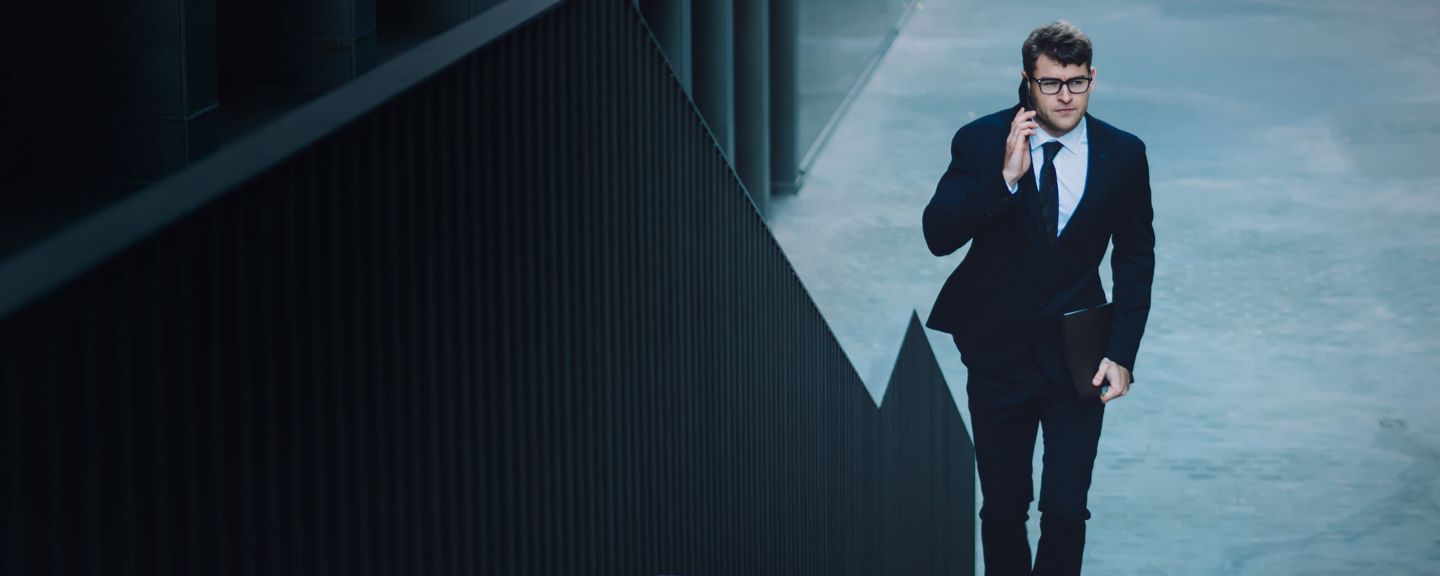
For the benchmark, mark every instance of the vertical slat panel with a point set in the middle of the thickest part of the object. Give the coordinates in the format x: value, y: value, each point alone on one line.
x: 382, y: 349
x: 522, y: 318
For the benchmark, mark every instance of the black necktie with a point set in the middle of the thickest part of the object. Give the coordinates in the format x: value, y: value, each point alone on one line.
x: 1050, y: 191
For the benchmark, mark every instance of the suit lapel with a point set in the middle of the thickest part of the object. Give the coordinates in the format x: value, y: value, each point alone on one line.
x: 1098, y: 177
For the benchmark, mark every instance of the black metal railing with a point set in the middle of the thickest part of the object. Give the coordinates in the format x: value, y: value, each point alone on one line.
x: 499, y: 306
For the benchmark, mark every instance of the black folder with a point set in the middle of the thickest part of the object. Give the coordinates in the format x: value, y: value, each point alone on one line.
x: 1086, y: 334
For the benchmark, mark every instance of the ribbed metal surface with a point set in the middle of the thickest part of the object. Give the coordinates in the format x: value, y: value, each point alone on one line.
x: 522, y: 319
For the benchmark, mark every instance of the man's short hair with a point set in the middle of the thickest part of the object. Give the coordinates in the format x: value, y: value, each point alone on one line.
x: 1061, y: 41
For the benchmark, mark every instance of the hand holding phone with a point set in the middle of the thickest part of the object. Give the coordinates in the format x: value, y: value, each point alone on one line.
x: 1017, y: 145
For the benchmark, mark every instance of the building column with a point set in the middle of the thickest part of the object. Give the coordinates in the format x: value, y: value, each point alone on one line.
x: 434, y: 16
x: 162, y: 111
x: 713, y: 69
x: 784, y: 155
x: 752, y: 99
x: 316, y: 44
x: 669, y: 20
x: 7, y: 67
x: 9, y: 152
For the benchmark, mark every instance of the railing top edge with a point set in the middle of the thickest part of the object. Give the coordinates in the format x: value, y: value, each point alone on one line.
x: 50, y: 261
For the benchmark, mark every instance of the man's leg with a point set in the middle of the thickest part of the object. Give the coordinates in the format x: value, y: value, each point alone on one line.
x: 1072, y: 436
x: 1003, y: 421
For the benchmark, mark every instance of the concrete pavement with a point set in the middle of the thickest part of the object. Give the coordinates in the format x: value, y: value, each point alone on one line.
x: 1285, y: 418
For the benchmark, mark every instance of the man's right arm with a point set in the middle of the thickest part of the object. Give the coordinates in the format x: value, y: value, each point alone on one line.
x: 967, y: 198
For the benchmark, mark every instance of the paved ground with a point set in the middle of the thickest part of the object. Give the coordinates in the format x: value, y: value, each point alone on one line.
x: 1285, y: 421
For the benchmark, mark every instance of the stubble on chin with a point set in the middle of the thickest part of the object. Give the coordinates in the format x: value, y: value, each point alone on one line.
x: 1047, y: 122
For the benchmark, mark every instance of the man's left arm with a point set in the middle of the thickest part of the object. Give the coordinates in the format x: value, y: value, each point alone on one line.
x: 1132, y: 266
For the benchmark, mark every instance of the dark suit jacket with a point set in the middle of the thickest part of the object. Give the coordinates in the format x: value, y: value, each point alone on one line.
x: 1013, y: 285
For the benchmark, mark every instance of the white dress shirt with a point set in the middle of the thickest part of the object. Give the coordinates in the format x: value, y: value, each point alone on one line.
x: 1071, y: 166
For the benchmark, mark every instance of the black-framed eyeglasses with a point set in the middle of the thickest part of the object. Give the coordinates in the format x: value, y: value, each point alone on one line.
x: 1078, y: 85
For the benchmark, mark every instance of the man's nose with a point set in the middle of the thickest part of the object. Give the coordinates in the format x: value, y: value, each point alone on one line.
x: 1065, y: 96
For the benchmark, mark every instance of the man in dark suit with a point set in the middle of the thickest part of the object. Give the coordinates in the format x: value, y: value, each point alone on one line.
x: 1039, y: 195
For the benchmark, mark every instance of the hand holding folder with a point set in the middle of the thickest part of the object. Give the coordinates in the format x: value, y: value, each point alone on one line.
x: 1086, y: 333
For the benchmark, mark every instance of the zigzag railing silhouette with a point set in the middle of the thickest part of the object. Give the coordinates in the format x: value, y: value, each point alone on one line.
x: 499, y: 307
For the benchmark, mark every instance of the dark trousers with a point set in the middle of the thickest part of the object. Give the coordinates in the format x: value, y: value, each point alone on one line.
x: 1005, y: 411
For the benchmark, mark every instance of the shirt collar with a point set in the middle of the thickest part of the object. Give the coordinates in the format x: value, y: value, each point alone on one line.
x: 1072, y: 140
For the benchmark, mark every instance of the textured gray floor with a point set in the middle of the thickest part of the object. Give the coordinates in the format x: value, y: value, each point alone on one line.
x: 1285, y: 421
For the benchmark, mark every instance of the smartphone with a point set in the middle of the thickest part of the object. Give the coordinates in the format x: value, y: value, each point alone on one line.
x: 1025, y: 100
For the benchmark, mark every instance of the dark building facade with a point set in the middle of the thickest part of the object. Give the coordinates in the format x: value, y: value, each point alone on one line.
x: 497, y: 303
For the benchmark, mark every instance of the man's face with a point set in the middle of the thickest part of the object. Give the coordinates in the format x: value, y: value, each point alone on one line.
x: 1060, y: 112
